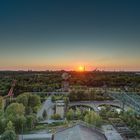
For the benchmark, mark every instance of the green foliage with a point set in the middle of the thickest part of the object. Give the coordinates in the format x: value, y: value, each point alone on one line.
x: 51, y: 81
x: 1, y: 103
x: 78, y: 114
x: 93, y: 118
x: 77, y: 95
x: 23, y: 98
x: 58, y: 97
x: 19, y: 123
x: 34, y: 101
x: 9, y: 133
x: 30, y: 121
x: 29, y: 110
x: 70, y: 115
x: 108, y: 112
x: 66, y: 100
x: 83, y: 95
x: 15, y: 109
x: 56, y: 117
x: 31, y: 102
x: 2, y: 122
x: 44, y: 114
x: 131, y: 119
x: 15, y: 112
x: 10, y: 126
x: 53, y: 98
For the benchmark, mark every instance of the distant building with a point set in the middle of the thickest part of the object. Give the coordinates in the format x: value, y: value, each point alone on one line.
x: 138, y: 73
x: 79, y: 132
x: 60, y: 108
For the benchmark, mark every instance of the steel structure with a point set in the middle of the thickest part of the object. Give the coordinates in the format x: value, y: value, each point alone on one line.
x: 127, y: 98
x: 10, y: 93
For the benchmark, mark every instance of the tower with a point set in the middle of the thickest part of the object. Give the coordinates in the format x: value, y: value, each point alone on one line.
x: 65, y: 82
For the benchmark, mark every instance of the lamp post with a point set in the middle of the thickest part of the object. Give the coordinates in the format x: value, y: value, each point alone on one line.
x: 22, y: 131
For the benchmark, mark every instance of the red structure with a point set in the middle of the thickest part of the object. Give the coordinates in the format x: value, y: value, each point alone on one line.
x: 10, y: 93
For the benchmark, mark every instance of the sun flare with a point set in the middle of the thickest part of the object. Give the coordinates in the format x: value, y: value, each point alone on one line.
x: 81, y: 68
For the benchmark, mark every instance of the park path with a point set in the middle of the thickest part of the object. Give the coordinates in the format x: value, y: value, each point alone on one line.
x: 47, y: 105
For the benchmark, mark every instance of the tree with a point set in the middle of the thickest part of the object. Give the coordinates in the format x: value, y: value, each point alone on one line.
x: 93, y: 118
x: 30, y: 121
x: 2, y: 122
x: 15, y: 113
x: 34, y: 100
x: 10, y: 126
x: 44, y: 114
x: 23, y: 98
x: 1, y: 103
x: 56, y: 117
x: 19, y: 123
x: 78, y: 113
x: 77, y: 95
x: 9, y: 133
x: 30, y: 101
x: 53, y: 98
x: 92, y: 95
x: 29, y: 110
x: 15, y: 109
x: 66, y: 100
x: 70, y: 115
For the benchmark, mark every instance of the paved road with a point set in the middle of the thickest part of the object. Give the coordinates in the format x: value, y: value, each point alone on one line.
x: 47, y: 105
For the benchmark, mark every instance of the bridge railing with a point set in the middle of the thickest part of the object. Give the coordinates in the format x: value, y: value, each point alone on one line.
x: 127, y: 99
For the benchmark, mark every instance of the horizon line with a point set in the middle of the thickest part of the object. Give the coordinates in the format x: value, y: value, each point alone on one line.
x: 52, y: 70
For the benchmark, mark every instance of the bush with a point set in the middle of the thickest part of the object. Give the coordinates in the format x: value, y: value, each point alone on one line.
x: 93, y: 118
x: 56, y: 117
x: 9, y: 135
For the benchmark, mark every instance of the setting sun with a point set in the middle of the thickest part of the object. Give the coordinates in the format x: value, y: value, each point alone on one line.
x: 81, y: 68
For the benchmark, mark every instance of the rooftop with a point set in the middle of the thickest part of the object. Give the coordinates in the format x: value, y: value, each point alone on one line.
x: 79, y: 132
x: 111, y: 133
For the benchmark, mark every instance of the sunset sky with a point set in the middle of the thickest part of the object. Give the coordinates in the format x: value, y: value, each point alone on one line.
x: 66, y: 34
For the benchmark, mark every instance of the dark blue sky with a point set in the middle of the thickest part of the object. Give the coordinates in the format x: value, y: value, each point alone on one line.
x: 53, y: 34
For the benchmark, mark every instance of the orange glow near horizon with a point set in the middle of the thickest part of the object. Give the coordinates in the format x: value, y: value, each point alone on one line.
x: 81, y: 69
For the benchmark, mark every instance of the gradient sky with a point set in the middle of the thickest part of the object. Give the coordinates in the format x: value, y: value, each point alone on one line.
x: 63, y: 34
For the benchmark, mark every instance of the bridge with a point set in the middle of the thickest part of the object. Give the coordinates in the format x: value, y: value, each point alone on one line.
x: 95, y: 104
x: 127, y: 98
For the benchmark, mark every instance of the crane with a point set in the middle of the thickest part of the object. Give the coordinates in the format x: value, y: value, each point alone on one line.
x: 10, y: 93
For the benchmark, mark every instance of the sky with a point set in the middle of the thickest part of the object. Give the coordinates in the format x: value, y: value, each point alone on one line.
x: 66, y: 34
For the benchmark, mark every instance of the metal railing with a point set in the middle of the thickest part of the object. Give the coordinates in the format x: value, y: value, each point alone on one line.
x: 130, y: 99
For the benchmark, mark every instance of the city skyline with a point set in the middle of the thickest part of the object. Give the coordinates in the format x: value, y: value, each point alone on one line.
x: 57, y: 35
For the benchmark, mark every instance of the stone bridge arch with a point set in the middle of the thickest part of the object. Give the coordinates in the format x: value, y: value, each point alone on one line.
x: 118, y: 105
x: 82, y: 105
x: 95, y: 104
